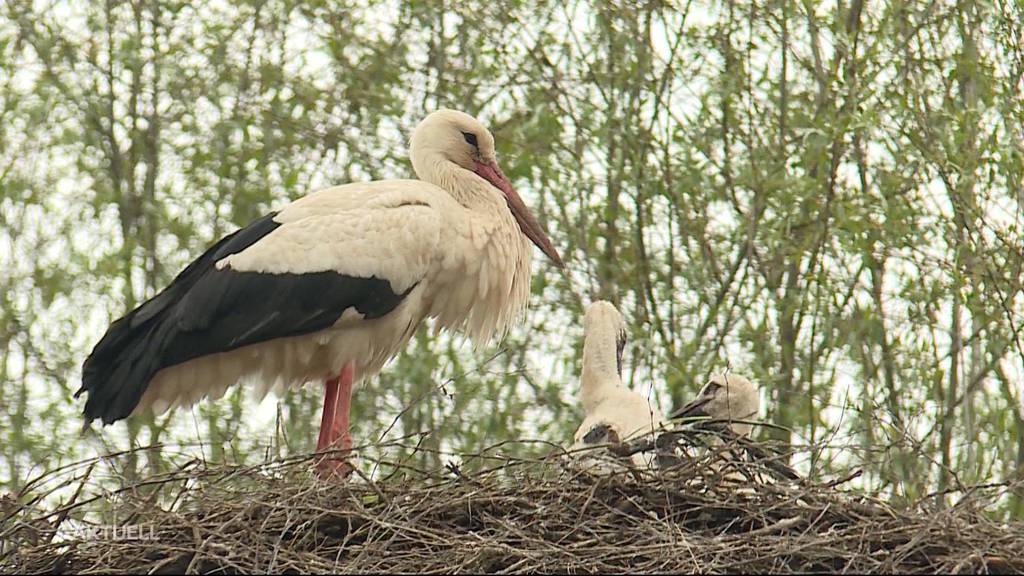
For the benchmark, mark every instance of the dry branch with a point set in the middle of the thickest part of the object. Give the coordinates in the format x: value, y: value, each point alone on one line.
x: 716, y: 510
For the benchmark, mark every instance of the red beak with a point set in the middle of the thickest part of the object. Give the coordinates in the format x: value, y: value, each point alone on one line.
x: 527, y: 223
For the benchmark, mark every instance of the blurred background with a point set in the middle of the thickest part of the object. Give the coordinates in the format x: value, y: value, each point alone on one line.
x: 824, y: 196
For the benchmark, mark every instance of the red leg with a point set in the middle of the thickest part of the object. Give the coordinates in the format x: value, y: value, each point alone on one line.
x: 340, y: 436
x: 327, y: 420
x: 334, y: 432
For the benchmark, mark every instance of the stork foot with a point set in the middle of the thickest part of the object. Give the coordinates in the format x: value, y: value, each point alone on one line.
x: 334, y: 465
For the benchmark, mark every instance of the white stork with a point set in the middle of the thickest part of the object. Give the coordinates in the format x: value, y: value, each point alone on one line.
x: 613, y: 413
x: 732, y: 400
x: 331, y: 286
x: 726, y: 397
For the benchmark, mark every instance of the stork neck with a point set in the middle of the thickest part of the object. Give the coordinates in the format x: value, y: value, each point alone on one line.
x: 600, y: 368
x: 468, y: 189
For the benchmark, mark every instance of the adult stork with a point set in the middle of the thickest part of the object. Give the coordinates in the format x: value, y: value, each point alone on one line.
x: 331, y: 286
x: 613, y: 412
x: 729, y: 398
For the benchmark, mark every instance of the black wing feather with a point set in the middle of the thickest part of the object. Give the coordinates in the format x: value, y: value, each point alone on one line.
x: 207, y: 311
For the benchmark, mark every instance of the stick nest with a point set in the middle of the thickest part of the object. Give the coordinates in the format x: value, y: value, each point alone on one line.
x: 732, y: 508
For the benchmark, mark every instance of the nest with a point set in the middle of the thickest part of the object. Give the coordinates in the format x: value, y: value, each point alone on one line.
x: 728, y: 508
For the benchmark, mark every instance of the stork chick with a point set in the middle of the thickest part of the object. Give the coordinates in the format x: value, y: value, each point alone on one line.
x: 727, y: 397
x: 614, y: 413
x: 731, y: 401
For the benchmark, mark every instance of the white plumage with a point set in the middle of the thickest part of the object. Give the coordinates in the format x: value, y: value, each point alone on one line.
x: 613, y: 413
x: 338, y: 279
x: 405, y: 231
x: 729, y: 398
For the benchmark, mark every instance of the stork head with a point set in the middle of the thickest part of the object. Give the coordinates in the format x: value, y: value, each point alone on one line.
x: 725, y: 397
x: 587, y: 458
x: 604, y: 323
x: 458, y: 138
x: 599, y: 433
x: 601, y: 430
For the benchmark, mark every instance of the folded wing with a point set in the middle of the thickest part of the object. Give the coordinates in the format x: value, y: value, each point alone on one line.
x: 354, y: 252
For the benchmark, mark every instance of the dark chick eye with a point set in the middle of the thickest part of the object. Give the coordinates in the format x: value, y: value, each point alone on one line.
x: 710, y: 388
x: 471, y: 138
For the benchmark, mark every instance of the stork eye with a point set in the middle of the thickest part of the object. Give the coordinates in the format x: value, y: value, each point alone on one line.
x: 710, y: 388
x: 470, y: 138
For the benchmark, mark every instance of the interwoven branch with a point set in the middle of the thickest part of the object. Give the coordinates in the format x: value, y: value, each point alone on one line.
x: 717, y: 509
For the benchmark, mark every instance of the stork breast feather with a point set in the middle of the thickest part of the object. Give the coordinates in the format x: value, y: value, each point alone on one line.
x: 394, y: 243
